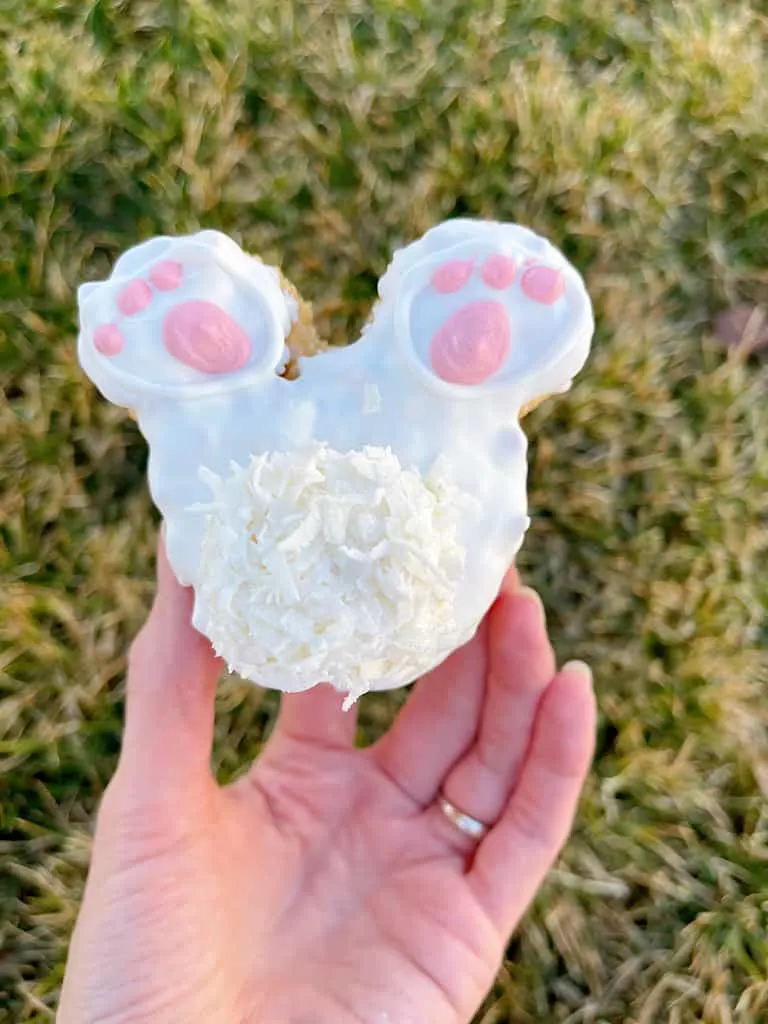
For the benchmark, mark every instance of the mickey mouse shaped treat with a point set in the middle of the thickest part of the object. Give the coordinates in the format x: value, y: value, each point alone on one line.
x: 352, y: 525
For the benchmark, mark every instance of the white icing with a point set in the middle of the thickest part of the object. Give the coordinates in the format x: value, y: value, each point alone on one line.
x: 377, y: 396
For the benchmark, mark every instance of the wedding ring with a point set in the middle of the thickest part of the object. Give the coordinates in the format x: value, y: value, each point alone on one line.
x: 465, y: 823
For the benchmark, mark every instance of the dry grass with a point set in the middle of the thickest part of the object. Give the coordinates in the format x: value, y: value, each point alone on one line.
x: 632, y: 133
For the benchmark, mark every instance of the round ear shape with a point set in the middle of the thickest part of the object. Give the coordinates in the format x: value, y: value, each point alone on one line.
x: 182, y: 318
x: 491, y: 313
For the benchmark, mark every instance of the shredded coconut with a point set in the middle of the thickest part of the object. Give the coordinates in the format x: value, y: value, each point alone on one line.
x: 371, y: 397
x: 318, y: 565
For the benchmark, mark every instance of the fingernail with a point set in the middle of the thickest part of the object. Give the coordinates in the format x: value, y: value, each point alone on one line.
x: 531, y: 595
x: 580, y: 668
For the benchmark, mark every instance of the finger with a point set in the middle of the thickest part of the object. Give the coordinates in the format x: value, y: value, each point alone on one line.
x: 437, y: 724
x: 521, y: 664
x: 316, y: 717
x: 172, y: 674
x: 511, y: 581
x: 440, y: 718
x: 512, y: 861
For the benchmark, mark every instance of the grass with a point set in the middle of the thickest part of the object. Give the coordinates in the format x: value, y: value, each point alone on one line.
x: 322, y: 135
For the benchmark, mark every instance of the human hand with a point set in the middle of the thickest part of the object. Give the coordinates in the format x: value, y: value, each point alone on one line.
x: 326, y: 884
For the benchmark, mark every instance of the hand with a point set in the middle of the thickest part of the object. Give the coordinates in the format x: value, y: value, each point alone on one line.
x: 326, y: 884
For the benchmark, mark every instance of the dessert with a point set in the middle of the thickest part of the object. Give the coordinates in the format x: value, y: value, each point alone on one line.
x: 351, y: 525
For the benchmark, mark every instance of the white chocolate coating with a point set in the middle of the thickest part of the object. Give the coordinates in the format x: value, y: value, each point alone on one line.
x: 475, y: 321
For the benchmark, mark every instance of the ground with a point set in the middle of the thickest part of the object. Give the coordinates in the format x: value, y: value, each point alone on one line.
x: 322, y: 135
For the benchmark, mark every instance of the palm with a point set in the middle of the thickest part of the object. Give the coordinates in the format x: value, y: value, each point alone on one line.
x: 366, y: 890
x: 325, y: 884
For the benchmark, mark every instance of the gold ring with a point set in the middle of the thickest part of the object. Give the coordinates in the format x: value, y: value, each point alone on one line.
x: 465, y: 823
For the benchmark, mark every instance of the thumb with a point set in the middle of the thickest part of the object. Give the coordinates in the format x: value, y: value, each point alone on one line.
x: 172, y: 674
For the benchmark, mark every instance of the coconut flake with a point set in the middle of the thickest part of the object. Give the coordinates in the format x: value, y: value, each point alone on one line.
x: 326, y: 565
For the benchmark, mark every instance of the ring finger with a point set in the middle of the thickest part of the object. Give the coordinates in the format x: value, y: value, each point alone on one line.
x: 521, y: 664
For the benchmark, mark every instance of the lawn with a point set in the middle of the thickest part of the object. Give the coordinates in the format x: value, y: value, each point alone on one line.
x: 322, y: 135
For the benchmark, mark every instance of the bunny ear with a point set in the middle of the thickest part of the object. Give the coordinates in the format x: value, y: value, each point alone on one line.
x: 482, y: 308
x: 182, y: 318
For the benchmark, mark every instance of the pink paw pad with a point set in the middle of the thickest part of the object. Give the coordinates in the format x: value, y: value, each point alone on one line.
x: 135, y: 297
x: 205, y: 337
x: 166, y: 275
x: 108, y: 339
x: 472, y: 345
x: 543, y: 284
x: 498, y: 271
x: 451, y: 276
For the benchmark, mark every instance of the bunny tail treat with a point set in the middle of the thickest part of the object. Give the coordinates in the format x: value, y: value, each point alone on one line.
x: 351, y: 525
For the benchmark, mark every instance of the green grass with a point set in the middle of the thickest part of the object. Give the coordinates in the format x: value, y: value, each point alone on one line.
x: 321, y: 135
